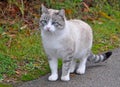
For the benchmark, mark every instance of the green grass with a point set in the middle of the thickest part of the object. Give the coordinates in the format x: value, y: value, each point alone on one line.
x: 106, y: 36
x: 28, y: 52
x: 106, y: 32
x: 22, y: 50
x: 7, y: 66
x: 5, y: 85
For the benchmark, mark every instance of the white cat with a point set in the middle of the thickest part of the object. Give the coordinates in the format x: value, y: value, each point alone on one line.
x: 70, y: 40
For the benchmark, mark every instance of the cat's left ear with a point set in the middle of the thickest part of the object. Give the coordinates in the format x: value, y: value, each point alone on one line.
x: 44, y: 9
x: 62, y: 12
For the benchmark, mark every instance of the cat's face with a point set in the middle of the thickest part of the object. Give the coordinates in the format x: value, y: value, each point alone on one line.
x: 52, y: 20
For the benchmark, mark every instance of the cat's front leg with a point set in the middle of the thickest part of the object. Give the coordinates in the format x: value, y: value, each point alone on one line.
x: 66, y: 69
x: 53, y: 63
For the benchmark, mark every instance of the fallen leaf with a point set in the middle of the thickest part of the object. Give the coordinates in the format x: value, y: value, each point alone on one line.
x: 8, y: 44
x: 86, y: 8
x: 68, y: 11
x: 72, y: 75
x: 23, y: 27
x: 103, y: 14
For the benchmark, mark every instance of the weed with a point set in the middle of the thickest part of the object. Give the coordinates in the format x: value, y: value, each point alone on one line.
x: 1, y: 30
x: 106, y: 36
x: 5, y: 85
x: 7, y: 66
x: 19, y: 4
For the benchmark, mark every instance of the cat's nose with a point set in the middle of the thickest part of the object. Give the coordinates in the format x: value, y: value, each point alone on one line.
x: 48, y: 28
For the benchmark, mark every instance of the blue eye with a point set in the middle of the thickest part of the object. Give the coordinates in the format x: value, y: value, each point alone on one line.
x: 55, y: 23
x: 43, y: 22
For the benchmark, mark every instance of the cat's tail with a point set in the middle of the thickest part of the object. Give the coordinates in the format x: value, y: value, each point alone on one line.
x: 99, y: 58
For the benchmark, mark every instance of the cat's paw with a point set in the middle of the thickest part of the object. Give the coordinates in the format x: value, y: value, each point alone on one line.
x: 80, y: 71
x: 53, y: 77
x: 65, y: 78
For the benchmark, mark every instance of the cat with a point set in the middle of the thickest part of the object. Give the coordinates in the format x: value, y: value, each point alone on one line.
x: 70, y: 40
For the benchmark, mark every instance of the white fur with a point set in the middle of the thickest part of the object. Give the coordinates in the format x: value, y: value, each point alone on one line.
x: 49, y: 27
x: 54, y: 75
x: 73, y: 66
x: 65, y: 78
x: 76, y: 36
x: 82, y: 66
x: 102, y: 57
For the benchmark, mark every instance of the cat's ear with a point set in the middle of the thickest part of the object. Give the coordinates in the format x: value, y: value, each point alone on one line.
x: 44, y: 9
x: 62, y: 12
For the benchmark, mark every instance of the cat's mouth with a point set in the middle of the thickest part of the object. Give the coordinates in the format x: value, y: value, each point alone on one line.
x: 49, y: 29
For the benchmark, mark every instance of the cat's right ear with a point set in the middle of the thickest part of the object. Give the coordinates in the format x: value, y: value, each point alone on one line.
x: 62, y: 12
x: 44, y: 9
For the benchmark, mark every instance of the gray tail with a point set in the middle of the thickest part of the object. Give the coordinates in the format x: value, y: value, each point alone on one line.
x: 99, y: 58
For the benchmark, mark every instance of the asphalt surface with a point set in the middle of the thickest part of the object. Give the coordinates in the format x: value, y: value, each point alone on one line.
x: 106, y: 74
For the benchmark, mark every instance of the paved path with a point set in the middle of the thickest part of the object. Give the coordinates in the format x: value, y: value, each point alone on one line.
x: 105, y: 74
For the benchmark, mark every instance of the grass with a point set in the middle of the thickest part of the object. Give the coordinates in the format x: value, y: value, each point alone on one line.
x: 106, y: 36
x: 21, y: 48
x: 5, y: 85
x: 27, y: 51
x: 7, y: 66
x: 106, y: 32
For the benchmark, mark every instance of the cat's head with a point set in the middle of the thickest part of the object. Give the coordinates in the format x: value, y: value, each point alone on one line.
x: 52, y: 20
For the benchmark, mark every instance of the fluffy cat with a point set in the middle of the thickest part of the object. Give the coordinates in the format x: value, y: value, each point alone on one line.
x: 70, y: 40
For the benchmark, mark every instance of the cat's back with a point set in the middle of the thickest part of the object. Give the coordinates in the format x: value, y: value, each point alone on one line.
x: 81, y: 32
x: 79, y: 23
x: 79, y: 27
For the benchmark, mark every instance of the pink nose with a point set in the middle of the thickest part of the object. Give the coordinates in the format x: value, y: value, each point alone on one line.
x: 48, y: 28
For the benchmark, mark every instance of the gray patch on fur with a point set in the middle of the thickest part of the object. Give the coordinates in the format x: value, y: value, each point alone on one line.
x: 44, y: 17
x: 57, y: 20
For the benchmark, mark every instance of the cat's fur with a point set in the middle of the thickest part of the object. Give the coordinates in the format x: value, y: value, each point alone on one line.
x: 70, y: 40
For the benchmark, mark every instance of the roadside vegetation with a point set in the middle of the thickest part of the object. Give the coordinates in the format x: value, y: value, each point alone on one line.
x: 22, y: 57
